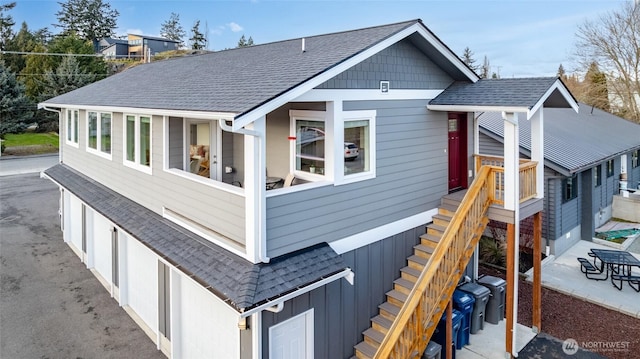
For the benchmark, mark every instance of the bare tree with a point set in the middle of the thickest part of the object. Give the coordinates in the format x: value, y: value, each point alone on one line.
x: 613, y: 42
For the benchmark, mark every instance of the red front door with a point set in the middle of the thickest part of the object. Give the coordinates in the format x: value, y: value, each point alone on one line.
x: 457, y: 131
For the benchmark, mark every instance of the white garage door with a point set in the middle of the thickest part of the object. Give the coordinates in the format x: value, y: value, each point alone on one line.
x: 74, y: 216
x: 101, y: 240
x: 141, y: 280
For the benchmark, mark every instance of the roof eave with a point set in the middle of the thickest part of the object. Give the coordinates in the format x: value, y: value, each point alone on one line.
x: 477, y: 108
x: 206, y: 115
x: 562, y: 89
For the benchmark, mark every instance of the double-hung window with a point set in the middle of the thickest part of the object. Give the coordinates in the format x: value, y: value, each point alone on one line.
x: 137, y: 142
x: 99, y: 133
x: 359, y: 145
x: 309, y: 152
x: 72, y: 127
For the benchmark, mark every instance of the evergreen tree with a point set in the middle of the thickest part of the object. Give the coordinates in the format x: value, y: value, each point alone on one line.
x: 68, y: 76
x: 561, y: 73
x: 15, y: 107
x: 6, y: 23
x: 485, y: 70
x: 171, y: 29
x: 198, y: 41
x: 597, y: 93
x: 24, y: 41
x: 467, y: 58
x: 243, y: 42
x: 89, y: 19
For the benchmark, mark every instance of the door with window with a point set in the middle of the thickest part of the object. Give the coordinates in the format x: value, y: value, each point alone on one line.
x: 457, y: 132
x: 202, y: 139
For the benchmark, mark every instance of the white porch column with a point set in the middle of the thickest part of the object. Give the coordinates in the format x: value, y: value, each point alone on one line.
x: 537, y: 149
x: 254, y: 190
x: 512, y: 202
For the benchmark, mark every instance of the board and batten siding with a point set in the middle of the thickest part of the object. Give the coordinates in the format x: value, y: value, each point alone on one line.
x: 221, y: 211
x: 411, y: 177
x: 343, y: 311
x: 402, y: 64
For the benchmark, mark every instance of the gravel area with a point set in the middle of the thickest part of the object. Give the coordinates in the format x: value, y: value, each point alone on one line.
x: 565, y: 317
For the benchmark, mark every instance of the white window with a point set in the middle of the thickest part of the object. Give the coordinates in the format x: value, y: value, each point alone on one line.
x: 359, y: 146
x: 99, y: 133
x: 308, y: 160
x: 137, y: 142
x: 72, y: 127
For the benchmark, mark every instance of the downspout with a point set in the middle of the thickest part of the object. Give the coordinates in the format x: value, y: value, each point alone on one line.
x: 59, y: 112
x: 262, y: 245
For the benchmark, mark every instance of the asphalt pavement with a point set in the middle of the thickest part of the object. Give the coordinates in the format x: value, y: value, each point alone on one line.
x: 15, y: 165
x: 51, y: 305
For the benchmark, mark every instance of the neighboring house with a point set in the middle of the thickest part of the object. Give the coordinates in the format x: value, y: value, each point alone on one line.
x: 140, y: 46
x: 214, y: 195
x: 585, y: 153
x: 113, y: 48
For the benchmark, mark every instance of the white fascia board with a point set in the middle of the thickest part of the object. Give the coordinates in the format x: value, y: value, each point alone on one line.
x: 346, y: 273
x: 557, y: 85
x: 150, y: 111
x: 478, y: 108
x: 309, y: 85
x: 379, y: 233
x: 365, y: 94
x: 442, y: 48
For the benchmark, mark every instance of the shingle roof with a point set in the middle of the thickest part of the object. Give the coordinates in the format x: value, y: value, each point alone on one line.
x: 234, y: 81
x: 573, y: 141
x: 240, y: 283
x: 511, y: 92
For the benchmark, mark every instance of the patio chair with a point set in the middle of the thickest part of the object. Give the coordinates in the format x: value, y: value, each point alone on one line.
x: 589, y: 269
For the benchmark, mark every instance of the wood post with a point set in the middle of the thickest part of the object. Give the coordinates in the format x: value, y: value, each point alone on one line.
x: 537, y: 272
x: 449, y: 331
x: 511, y: 241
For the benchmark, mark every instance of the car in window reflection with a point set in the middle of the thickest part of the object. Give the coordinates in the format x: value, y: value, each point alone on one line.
x: 350, y: 151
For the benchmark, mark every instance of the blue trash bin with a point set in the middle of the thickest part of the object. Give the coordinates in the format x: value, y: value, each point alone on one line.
x: 463, y: 302
x: 440, y: 334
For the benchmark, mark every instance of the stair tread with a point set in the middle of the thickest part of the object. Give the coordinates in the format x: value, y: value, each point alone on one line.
x: 443, y: 217
x: 420, y: 260
x: 389, y: 307
x: 377, y: 336
x: 411, y: 271
x: 404, y: 282
x: 431, y: 237
x: 423, y: 248
x: 382, y: 321
x: 366, y: 349
x: 397, y: 295
x: 448, y: 207
x: 436, y: 227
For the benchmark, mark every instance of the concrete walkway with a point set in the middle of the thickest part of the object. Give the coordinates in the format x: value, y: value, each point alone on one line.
x: 489, y: 343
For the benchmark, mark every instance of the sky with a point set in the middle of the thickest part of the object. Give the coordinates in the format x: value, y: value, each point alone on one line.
x: 520, y: 38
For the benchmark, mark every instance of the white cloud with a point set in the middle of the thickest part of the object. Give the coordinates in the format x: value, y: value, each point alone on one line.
x: 235, y: 27
x: 217, y: 30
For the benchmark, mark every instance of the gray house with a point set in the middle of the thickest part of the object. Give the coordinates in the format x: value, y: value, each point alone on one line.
x: 141, y: 46
x: 113, y: 48
x: 585, y: 154
x: 271, y: 201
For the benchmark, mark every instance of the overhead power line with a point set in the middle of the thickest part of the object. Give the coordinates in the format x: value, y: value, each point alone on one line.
x: 47, y: 53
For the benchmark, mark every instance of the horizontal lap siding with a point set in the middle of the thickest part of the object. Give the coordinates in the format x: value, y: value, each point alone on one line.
x: 342, y: 311
x: 411, y: 177
x: 218, y: 210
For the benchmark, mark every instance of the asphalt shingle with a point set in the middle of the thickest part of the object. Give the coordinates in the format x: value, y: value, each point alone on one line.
x: 240, y: 283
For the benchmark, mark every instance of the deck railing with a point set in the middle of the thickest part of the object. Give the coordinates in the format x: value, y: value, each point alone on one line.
x: 527, y: 172
x: 411, y: 330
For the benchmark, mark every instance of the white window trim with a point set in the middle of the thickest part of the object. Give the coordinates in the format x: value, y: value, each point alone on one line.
x: 97, y: 150
x: 309, y: 319
x: 306, y: 115
x: 368, y: 115
x: 70, y: 130
x: 135, y: 164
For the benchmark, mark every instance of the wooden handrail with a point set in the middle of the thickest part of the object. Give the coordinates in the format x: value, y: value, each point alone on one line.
x: 411, y: 330
x: 527, y: 175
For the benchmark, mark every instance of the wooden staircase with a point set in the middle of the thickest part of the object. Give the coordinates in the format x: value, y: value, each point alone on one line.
x: 408, y: 318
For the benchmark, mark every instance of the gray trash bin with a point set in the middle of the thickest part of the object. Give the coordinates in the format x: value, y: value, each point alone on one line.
x: 495, y: 306
x: 481, y: 295
x: 432, y: 351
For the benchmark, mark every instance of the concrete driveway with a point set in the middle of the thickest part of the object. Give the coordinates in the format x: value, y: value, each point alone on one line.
x: 51, y: 306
